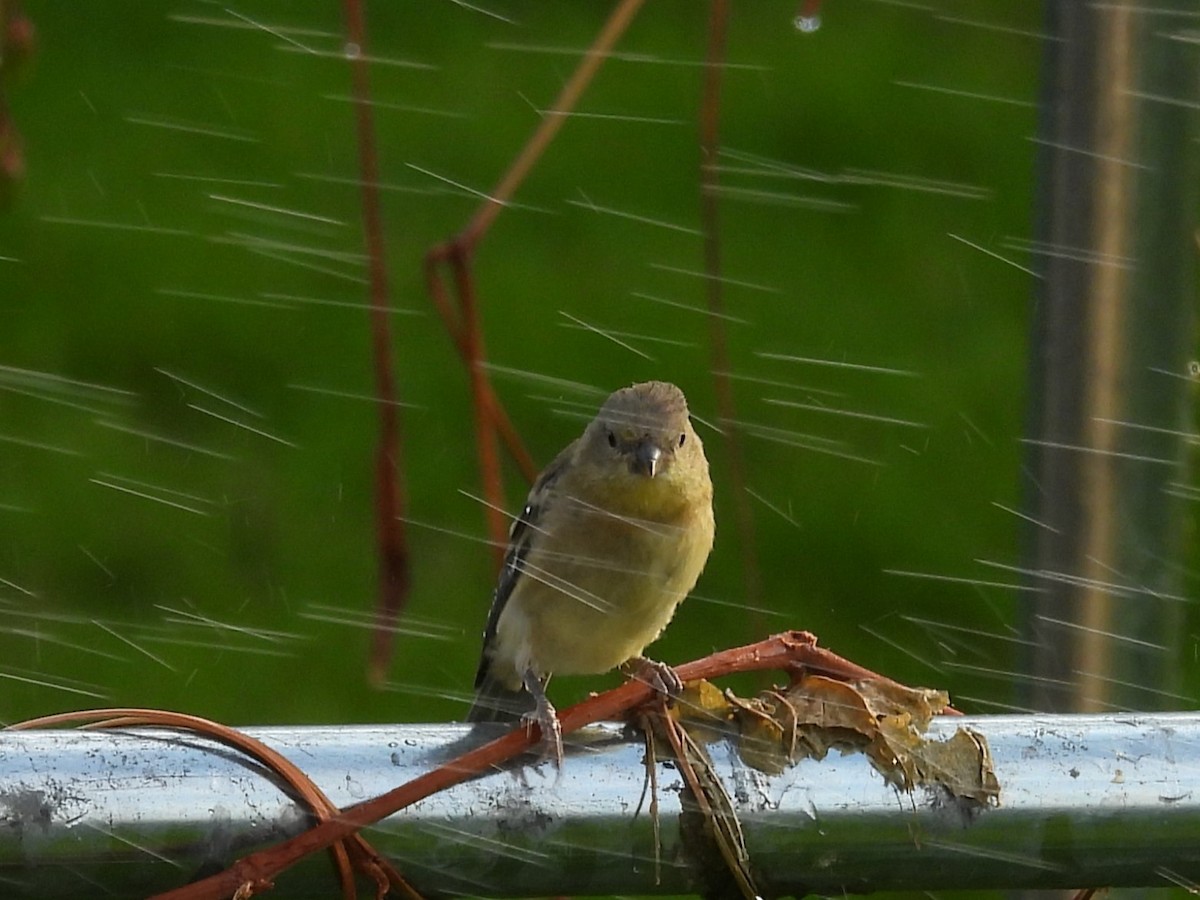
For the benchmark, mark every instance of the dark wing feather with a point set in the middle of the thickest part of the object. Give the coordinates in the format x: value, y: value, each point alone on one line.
x: 520, y: 536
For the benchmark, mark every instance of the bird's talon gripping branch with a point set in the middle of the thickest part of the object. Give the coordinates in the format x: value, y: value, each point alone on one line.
x: 545, y: 717
x: 658, y: 675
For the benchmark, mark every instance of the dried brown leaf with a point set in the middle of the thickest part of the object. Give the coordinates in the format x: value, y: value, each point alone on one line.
x: 885, y: 721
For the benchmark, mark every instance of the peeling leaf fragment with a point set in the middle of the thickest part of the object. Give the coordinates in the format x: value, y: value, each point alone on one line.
x: 886, y: 721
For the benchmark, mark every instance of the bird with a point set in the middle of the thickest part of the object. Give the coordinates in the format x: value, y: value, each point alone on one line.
x: 613, y: 536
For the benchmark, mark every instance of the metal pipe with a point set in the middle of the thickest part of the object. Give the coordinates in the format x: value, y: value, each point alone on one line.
x: 1085, y: 800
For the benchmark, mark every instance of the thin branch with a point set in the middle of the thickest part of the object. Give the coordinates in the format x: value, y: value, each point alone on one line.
x: 391, y: 544
x: 491, y: 420
x: 793, y: 652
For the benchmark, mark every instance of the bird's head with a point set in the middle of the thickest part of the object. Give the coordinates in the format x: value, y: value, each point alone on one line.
x: 643, y: 430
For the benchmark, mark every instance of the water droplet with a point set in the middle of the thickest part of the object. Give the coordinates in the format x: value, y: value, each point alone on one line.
x: 352, y: 50
x: 807, y: 24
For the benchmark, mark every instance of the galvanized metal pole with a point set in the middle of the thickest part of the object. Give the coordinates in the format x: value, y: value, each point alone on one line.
x: 1085, y: 800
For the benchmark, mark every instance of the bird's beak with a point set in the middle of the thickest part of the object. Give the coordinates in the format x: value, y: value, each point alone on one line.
x: 646, y: 457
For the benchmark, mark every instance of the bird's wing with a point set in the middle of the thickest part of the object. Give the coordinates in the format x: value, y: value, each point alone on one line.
x: 521, y: 536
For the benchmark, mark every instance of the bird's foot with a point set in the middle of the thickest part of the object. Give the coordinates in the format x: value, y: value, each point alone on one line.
x: 545, y: 717
x: 659, y: 676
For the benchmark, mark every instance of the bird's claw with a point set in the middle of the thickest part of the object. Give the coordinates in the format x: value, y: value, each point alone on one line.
x: 550, y: 746
x: 545, y: 718
x: 658, y: 675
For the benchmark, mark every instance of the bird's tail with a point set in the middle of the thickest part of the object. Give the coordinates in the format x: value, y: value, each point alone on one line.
x: 494, y: 702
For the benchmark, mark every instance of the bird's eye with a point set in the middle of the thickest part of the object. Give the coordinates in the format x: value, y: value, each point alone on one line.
x: 612, y: 440
x: 682, y: 438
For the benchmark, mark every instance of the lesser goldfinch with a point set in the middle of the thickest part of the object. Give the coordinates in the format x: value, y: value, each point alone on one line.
x: 614, y: 534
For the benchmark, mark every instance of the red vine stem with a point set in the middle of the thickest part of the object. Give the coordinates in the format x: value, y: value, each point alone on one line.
x: 491, y: 421
x: 793, y: 652
x: 391, y: 545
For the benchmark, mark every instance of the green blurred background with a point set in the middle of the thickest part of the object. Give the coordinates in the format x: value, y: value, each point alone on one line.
x: 140, y: 256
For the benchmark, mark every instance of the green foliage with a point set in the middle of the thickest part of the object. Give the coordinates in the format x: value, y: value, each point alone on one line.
x: 284, y: 528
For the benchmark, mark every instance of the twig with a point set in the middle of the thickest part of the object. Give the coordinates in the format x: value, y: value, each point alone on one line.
x: 792, y: 651
x: 491, y: 421
x: 344, y: 850
x: 394, y: 575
